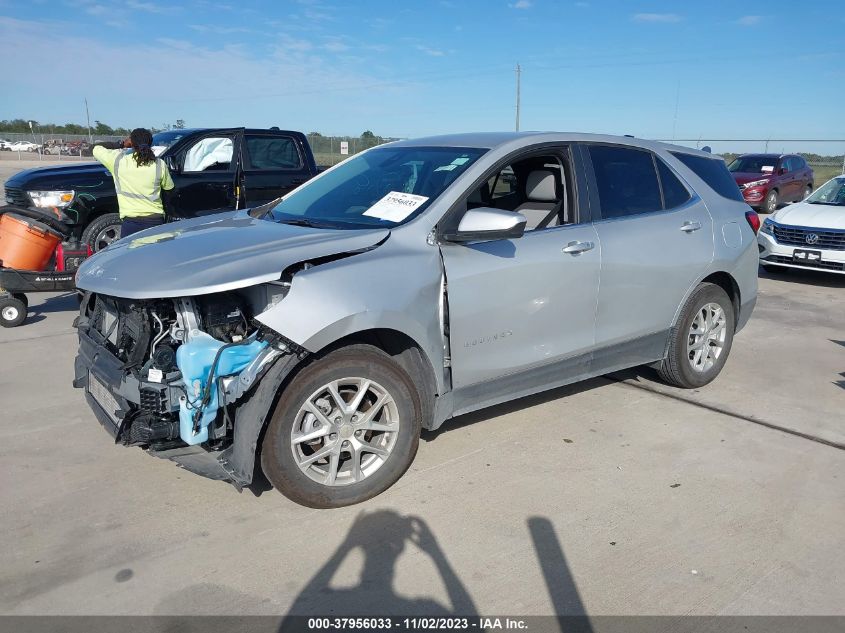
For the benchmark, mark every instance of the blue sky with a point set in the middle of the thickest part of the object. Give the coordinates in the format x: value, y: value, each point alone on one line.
x: 651, y: 68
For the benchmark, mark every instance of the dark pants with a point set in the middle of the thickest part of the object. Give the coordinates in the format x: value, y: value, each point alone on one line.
x: 133, y: 225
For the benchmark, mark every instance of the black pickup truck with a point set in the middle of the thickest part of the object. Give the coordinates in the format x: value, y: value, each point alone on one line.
x: 213, y: 169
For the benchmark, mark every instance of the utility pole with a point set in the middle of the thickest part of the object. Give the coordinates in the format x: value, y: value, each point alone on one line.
x: 88, y: 119
x: 518, y: 73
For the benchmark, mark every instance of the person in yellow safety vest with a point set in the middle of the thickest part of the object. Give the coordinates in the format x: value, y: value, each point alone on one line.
x: 139, y: 178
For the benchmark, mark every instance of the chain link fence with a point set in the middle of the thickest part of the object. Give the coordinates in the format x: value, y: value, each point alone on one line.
x: 37, y: 146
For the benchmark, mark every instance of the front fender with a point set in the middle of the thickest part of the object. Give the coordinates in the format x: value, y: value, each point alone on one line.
x: 386, y: 288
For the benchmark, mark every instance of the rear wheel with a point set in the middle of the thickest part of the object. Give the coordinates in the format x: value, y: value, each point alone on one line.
x: 21, y: 297
x: 770, y: 204
x: 102, y: 231
x: 12, y: 311
x: 807, y: 191
x: 701, y: 340
x: 345, y: 429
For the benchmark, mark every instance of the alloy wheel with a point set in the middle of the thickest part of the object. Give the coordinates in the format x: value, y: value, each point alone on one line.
x: 106, y: 236
x: 345, y: 431
x: 706, y: 338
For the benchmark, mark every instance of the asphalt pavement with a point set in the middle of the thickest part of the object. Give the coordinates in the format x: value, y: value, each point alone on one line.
x: 615, y: 496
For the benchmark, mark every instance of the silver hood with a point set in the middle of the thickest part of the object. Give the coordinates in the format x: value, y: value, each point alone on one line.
x: 211, y: 254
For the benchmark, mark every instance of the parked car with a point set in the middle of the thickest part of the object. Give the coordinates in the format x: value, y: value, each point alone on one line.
x: 213, y: 170
x: 769, y: 180
x: 5, y: 146
x: 24, y: 146
x: 318, y: 334
x: 809, y: 234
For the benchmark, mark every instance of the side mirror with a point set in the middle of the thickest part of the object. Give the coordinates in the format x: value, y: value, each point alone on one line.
x: 487, y: 223
x: 782, y: 171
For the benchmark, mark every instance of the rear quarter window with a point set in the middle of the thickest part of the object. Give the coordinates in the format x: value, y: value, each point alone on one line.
x: 714, y: 172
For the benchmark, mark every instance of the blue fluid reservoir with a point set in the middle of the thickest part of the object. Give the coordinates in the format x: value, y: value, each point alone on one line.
x: 194, y: 360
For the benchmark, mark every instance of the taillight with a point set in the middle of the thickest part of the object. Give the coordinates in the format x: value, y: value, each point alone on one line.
x: 90, y: 251
x: 753, y: 220
x: 60, y: 258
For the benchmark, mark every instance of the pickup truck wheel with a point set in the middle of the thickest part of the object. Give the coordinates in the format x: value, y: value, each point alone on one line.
x: 345, y: 429
x: 12, y: 311
x: 700, y: 342
x: 102, y: 231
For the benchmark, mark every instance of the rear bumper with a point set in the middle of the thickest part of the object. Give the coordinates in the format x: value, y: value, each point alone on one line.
x: 774, y: 254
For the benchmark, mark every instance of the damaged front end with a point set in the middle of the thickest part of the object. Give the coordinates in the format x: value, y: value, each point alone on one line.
x: 177, y: 376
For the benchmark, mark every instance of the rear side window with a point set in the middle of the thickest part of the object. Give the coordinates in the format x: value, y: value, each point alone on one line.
x: 626, y: 181
x: 714, y: 172
x: 674, y: 192
x: 272, y: 152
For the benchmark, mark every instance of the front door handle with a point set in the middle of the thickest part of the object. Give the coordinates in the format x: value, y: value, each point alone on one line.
x: 575, y: 248
x: 689, y: 227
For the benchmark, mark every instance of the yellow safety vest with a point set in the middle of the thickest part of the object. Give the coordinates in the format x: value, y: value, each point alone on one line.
x: 138, y: 187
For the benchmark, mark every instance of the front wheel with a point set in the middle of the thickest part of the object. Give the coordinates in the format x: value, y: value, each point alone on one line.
x: 701, y: 340
x: 770, y: 204
x: 102, y: 231
x: 808, y: 190
x: 345, y: 429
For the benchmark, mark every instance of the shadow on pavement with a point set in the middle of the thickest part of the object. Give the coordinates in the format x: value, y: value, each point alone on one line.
x: 61, y: 303
x: 808, y: 277
x: 560, y: 584
x: 382, y: 537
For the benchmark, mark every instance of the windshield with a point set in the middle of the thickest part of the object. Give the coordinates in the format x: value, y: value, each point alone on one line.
x: 754, y: 164
x: 380, y: 188
x: 163, y: 140
x: 832, y: 192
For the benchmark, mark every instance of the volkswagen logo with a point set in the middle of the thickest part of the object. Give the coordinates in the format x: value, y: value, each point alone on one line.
x: 811, y: 238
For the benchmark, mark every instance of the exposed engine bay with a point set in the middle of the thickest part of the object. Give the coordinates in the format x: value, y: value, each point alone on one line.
x: 175, y: 368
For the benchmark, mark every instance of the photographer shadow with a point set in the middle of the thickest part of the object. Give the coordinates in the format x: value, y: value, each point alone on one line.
x: 382, y: 537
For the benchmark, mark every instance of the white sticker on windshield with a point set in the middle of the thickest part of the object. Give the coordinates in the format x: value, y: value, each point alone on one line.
x: 767, y: 169
x: 460, y: 161
x: 395, y: 206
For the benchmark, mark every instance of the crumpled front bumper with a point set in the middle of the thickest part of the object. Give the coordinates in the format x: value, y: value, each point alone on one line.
x: 94, y: 362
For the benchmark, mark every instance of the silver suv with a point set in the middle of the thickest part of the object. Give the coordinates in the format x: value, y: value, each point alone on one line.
x: 319, y: 334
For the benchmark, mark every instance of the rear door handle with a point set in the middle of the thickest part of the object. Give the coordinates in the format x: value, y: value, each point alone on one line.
x: 576, y: 248
x: 689, y: 227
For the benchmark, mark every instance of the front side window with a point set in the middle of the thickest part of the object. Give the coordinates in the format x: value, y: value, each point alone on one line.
x: 272, y: 153
x: 626, y: 181
x: 212, y: 153
x: 537, y: 186
x: 714, y: 173
x: 383, y: 187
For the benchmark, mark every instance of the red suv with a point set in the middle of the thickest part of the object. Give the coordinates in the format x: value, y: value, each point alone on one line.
x: 767, y: 180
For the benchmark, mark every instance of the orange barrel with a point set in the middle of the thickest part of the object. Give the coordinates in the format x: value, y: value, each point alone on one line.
x: 26, y: 244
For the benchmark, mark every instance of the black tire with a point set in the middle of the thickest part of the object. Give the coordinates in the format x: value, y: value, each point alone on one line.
x: 807, y: 191
x: 12, y: 311
x: 21, y: 297
x: 102, y: 231
x: 770, y: 204
x: 277, y: 456
x: 676, y: 369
